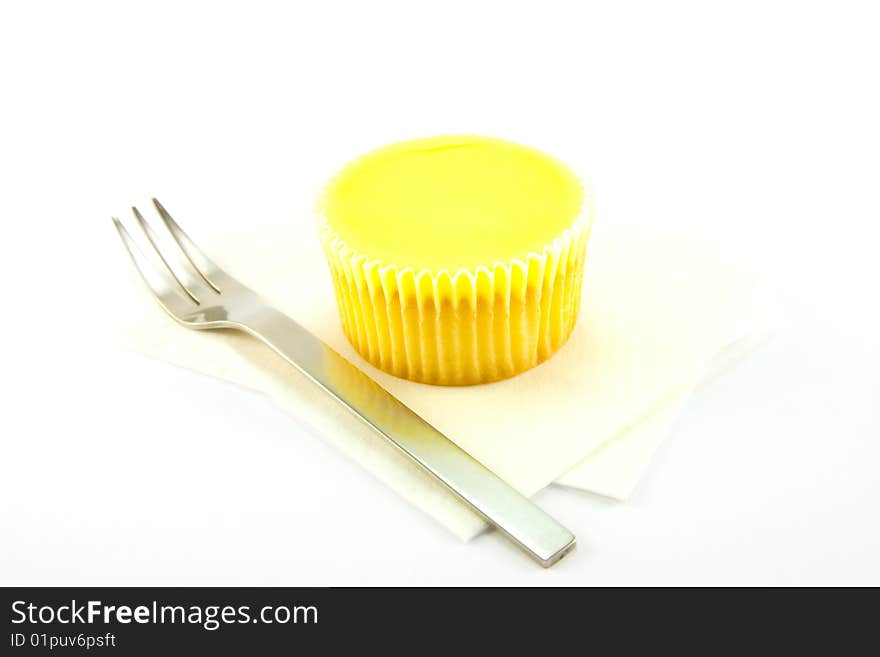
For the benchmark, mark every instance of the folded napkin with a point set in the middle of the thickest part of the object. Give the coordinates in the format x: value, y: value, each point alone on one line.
x: 657, y: 309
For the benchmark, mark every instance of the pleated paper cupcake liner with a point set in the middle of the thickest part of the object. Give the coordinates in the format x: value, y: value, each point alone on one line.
x: 460, y: 327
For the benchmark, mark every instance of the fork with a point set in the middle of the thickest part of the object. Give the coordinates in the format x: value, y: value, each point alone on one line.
x: 200, y: 295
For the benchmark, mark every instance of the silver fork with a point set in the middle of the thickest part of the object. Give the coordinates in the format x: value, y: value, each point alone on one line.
x: 200, y: 295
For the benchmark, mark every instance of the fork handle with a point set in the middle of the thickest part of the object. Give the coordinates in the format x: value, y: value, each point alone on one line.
x: 522, y: 521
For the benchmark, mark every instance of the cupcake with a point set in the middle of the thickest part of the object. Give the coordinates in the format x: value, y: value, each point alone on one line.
x: 456, y: 260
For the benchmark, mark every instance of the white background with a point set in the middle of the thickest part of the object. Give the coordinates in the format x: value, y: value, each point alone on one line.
x: 756, y: 122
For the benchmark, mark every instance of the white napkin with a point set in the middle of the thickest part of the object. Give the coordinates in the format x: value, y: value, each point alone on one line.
x: 615, y: 468
x: 656, y: 311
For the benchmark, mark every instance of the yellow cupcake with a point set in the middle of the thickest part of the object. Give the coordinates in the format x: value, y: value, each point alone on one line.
x: 458, y: 259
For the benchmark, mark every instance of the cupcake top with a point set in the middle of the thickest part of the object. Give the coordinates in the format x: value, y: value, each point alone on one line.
x: 452, y: 202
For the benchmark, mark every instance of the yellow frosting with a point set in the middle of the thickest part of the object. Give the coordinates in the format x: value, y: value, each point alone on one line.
x: 456, y: 259
x: 452, y: 202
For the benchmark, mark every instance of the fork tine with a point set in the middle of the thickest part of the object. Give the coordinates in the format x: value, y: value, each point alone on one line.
x: 160, y: 284
x: 197, y: 259
x: 186, y: 282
